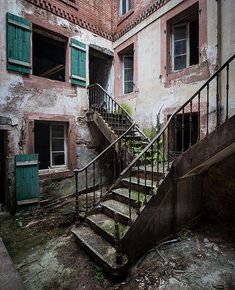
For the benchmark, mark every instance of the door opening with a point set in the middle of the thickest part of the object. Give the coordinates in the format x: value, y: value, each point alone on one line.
x: 100, y: 65
x: 2, y: 166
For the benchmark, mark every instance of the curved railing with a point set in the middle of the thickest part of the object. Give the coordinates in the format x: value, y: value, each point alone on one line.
x: 104, y: 169
x: 204, y: 111
x: 100, y: 101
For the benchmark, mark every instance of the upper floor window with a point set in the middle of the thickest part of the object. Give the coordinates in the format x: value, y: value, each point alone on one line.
x: 125, y: 6
x: 184, y: 41
x: 43, y: 53
x: 128, y: 73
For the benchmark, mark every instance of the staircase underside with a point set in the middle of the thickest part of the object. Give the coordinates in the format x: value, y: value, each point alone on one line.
x: 156, y: 212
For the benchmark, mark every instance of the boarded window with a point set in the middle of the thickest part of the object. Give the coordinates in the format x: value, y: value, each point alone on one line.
x: 18, y: 44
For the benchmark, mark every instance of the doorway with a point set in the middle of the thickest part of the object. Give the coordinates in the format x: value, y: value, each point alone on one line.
x: 100, y: 65
x: 2, y: 167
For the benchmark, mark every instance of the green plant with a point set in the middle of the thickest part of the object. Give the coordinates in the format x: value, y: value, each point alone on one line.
x: 127, y: 107
x: 150, y: 132
x: 98, y: 274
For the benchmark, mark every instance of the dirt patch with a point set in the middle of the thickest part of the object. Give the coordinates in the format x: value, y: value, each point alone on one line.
x: 47, y: 257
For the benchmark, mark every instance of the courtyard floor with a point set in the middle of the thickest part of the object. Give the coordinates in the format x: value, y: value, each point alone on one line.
x: 47, y: 257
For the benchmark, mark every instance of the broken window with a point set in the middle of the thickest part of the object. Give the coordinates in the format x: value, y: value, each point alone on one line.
x: 185, y: 39
x: 128, y: 73
x: 51, y: 144
x: 125, y: 6
x: 49, y: 54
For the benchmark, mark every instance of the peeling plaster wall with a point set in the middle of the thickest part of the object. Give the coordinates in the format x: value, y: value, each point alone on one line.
x: 20, y: 94
x: 154, y: 95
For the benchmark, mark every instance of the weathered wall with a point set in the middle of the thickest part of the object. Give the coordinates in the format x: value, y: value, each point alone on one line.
x: 157, y: 92
x: 22, y: 94
x: 93, y: 15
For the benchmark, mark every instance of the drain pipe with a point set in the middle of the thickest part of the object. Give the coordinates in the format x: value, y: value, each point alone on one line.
x: 218, y: 60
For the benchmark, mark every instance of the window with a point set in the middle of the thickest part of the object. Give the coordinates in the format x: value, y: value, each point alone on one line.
x: 50, y: 141
x: 48, y: 50
x: 49, y: 54
x: 125, y: 6
x: 128, y: 72
x: 185, y: 40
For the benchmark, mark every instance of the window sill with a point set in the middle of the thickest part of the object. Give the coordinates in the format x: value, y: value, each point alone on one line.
x: 45, y: 83
x: 188, y: 75
x: 125, y: 16
x: 55, y: 173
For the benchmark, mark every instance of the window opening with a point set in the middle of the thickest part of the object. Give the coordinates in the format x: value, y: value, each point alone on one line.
x: 51, y: 144
x: 185, y: 131
x: 49, y: 54
x: 128, y: 73
x: 185, y: 40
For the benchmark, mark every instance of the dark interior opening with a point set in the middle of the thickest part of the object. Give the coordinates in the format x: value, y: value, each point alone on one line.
x: 194, y: 42
x: 49, y: 54
x: 2, y: 166
x: 100, y: 65
x: 42, y: 143
x: 183, y: 133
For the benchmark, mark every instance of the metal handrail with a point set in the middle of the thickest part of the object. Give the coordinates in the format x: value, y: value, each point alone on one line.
x: 105, y: 150
x: 120, y: 107
x: 123, y: 173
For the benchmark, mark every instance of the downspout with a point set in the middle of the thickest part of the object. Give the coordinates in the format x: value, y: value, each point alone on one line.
x: 218, y: 61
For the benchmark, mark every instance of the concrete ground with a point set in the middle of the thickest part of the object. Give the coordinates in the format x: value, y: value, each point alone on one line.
x: 47, y: 256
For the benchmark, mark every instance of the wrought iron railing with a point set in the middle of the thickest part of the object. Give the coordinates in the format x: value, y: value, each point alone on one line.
x: 113, y: 113
x: 105, y: 168
x: 210, y: 110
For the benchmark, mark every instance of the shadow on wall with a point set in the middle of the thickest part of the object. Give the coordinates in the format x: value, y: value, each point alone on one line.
x: 219, y: 194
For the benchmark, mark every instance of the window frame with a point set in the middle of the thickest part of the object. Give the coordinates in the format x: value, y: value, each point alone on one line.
x: 172, y: 63
x: 65, y: 146
x: 128, y: 7
x: 123, y: 73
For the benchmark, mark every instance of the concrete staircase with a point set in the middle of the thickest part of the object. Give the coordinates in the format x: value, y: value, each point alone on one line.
x: 155, y: 196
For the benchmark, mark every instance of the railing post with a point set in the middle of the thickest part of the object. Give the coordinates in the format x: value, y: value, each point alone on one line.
x: 77, y: 203
x: 117, y: 241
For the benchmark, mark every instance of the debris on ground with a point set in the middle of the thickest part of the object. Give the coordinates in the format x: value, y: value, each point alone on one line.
x: 47, y: 257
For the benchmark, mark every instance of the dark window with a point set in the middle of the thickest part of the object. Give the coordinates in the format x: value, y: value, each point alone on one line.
x: 49, y: 54
x: 183, y: 132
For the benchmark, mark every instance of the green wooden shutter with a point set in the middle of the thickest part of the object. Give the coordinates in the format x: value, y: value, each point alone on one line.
x: 18, y: 44
x: 78, y: 63
x: 27, y: 178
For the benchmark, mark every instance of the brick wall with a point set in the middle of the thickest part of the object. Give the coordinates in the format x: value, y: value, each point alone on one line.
x: 93, y: 15
x: 141, y: 10
x: 101, y: 16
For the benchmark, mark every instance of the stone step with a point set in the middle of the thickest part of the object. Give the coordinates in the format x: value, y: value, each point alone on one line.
x: 105, y: 226
x: 112, y: 206
x: 101, y: 250
x: 139, y: 185
x: 145, y: 172
x: 122, y: 194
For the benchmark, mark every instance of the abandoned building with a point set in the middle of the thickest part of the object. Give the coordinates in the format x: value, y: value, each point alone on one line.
x: 129, y: 102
